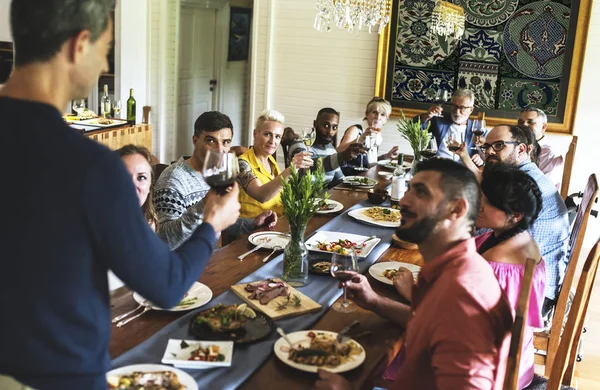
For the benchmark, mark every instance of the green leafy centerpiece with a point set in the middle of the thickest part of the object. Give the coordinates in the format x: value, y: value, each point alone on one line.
x: 417, y: 138
x: 299, y: 194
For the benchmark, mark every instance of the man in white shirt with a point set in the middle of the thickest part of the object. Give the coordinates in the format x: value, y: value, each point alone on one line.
x: 550, y: 163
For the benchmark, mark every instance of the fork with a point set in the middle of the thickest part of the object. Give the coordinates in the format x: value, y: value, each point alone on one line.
x: 147, y: 307
x: 262, y: 244
x: 119, y: 318
x: 275, y: 249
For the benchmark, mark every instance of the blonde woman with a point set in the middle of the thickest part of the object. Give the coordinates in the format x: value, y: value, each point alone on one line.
x: 260, y: 176
x: 376, y: 115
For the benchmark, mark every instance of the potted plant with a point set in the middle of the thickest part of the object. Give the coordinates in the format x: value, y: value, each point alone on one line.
x: 299, y: 194
x: 417, y: 137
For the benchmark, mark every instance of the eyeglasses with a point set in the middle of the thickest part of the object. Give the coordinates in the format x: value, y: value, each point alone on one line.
x: 497, y: 146
x: 460, y: 108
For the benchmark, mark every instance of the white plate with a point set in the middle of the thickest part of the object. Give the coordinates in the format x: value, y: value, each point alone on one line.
x: 393, y: 164
x: 338, y: 206
x: 270, y: 239
x: 178, y: 356
x: 198, y: 290
x: 385, y: 175
x: 94, y: 122
x: 302, y: 338
x: 313, y: 243
x: 378, y: 269
x: 354, y: 181
x: 184, y: 378
x: 358, y: 214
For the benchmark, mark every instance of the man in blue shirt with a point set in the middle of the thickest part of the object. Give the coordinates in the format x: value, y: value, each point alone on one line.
x: 508, y: 145
x: 70, y: 208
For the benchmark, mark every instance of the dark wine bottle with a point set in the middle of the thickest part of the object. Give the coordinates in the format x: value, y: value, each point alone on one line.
x: 131, y: 109
x: 400, y: 159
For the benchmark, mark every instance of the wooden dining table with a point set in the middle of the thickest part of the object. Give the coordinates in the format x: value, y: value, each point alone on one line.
x: 381, y: 339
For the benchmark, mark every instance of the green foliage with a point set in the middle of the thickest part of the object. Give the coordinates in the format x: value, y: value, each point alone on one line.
x: 412, y: 132
x: 299, y: 193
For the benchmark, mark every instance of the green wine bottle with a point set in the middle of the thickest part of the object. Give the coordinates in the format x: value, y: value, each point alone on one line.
x: 131, y: 108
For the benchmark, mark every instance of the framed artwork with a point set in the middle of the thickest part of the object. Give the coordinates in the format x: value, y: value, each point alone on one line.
x: 514, y: 54
x: 240, y: 20
x: 6, y: 60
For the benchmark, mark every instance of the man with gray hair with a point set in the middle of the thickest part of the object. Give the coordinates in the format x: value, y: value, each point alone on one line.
x: 550, y: 163
x: 451, y: 125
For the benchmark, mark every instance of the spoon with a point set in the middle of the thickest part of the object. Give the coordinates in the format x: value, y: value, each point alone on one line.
x: 362, y: 243
x: 282, y: 333
x: 275, y: 249
x: 262, y: 244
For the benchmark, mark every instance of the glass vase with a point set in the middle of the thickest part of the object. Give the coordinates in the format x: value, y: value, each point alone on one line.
x: 416, y: 160
x: 295, y: 258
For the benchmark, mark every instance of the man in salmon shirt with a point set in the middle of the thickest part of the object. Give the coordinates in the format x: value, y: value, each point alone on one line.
x: 458, y: 322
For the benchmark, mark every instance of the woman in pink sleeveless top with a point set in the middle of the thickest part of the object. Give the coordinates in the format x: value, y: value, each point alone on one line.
x: 510, y: 203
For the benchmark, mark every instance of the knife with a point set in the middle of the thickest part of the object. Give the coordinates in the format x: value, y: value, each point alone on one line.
x: 347, y: 329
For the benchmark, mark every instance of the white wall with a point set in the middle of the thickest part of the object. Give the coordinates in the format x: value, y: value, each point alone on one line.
x: 4, y: 21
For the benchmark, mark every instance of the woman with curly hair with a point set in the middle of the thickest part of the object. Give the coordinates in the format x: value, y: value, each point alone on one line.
x: 138, y: 161
x: 511, y: 201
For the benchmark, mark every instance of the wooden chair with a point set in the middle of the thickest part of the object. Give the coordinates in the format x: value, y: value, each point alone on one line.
x: 511, y: 378
x: 548, y: 342
x: 288, y: 138
x: 564, y: 361
x: 158, y: 169
x: 569, y: 158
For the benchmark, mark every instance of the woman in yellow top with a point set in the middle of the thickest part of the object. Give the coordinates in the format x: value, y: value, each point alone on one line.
x: 259, y: 176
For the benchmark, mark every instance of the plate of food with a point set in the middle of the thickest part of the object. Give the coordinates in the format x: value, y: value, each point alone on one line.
x: 269, y: 240
x: 149, y: 376
x: 385, y: 271
x: 198, y: 354
x: 393, y: 164
x: 316, y: 349
x: 102, y: 122
x: 338, y: 242
x: 378, y: 216
x: 360, y: 181
x: 198, y: 295
x: 236, y: 323
x: 320, y: 266
x: 328, y: 206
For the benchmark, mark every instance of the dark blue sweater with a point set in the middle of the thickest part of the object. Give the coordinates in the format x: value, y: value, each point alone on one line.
x: 70, y: 213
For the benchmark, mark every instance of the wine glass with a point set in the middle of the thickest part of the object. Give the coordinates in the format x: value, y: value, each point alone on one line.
x: 78, y: 106
x: 308, y: 136
x: 478, y: 131
x: 117, y: 105
x: 453, y: 143
x: 220, y: 170
x: 430, y: 149
x: 342, y: 266
x: 441, y: 97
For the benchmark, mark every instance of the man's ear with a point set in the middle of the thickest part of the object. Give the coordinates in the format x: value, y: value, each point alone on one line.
x: 195, y: 139
x: 544, y: 127
x: 457, y: 208
x: 523, y: 149
x: 78, y: 46
x: 516, y: 218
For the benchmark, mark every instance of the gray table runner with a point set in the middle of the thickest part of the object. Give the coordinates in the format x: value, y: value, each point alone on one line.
x: 248, y: 358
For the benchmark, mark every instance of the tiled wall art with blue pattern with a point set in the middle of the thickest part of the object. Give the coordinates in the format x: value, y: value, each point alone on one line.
x: 513, y: 54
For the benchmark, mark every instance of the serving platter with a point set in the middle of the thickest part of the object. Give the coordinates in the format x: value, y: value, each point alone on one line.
x: 301, y: 338
x: 184, y: 378
x: 96, y: 122
x: 197, y: 296
x: 312, y: 244
x: 269, y: 239
x: 377, y: 270
x: 359, y: 214
x: 272, y: 309
x: 178, y: 353
x: 360, y: 181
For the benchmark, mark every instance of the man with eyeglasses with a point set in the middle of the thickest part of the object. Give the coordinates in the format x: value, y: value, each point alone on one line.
x: 548, y: 162
x: 506, y: 144
x: 454, y: 125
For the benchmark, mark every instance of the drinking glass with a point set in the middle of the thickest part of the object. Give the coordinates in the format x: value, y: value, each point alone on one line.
x: 453, y: 143
x: 478, y: 131
x: 430, y: 149
x: 308, y: 136
x: 342, y: 266
x: 441, y: 97
x: 220, y: 170
x: 117, y: 108
x: 78, y: 106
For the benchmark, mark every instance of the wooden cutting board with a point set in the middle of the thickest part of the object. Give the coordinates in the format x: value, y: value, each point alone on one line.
x: 307, y: 305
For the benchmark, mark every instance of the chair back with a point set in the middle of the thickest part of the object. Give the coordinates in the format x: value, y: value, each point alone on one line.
x: 287, y: 139
x: 564, y: 361
x: 511, y: 377
x: 568, y: 168
x: 158, y: 169
x: 575, y: 243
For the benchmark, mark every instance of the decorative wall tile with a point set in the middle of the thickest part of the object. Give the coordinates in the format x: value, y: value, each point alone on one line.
x: 481, y: 78
x: 516, y: 94
x: 535, y: 39
x: 486, y: 13
x: 420, y: 85
x: 481, y: 45
x: 415, y: 44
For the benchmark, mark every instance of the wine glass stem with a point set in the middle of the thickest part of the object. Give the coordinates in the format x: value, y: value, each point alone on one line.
x: 344, y: 302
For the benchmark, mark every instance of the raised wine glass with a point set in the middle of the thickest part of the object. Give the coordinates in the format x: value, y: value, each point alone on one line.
x: 78, y: 106
x: 453, y: 143
x: 441, y: 97
x: 342, y: 266
x: 220, y: 170
x: 430, y: 149
x: 478, y: 132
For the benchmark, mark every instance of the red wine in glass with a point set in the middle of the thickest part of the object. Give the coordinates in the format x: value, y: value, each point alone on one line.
x: 428, y: 153
x: 220, y: 182
x: 453, y: 147
x: 478, y: 132
x: 220, y: 170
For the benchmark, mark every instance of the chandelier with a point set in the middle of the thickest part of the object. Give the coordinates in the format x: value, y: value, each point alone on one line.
x: 353, y: 15
x: 448, y: 19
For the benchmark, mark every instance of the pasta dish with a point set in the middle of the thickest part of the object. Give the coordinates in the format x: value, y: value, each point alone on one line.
x: 381, y: 214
